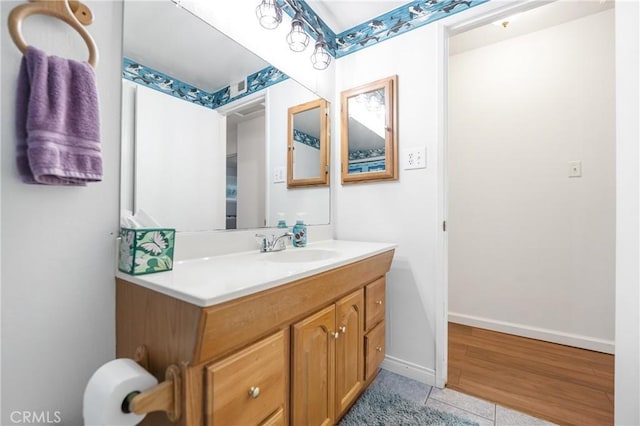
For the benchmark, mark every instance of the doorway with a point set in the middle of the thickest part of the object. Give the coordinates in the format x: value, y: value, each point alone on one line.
x: 531, y: 235
x: 245, y: 165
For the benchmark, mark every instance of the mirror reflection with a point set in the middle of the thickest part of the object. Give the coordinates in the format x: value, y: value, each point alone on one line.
x: 308, y: 146
x: 366, y: 132
x: 204, y: 128
x: 369, y: 132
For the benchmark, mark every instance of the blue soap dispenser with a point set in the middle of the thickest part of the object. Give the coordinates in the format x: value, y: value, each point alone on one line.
x: 299, y: 233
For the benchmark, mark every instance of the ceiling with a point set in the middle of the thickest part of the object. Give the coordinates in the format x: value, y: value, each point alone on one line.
x: 163, y: 43
x: 535, y: 19
x: 341, y: 15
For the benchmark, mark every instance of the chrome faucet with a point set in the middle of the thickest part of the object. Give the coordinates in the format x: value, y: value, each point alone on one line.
x: 272, y: 243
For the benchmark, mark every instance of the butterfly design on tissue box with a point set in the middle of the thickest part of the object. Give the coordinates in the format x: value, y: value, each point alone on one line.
x: 145, y: 251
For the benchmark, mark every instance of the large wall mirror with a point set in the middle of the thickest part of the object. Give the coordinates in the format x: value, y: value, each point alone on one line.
x: 308, y: 146
x: 370, y: 132
x: 197, y: 157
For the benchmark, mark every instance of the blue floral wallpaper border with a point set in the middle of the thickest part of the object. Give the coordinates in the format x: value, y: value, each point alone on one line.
x: 141, y: 74
x: 398, y: 21
x: 366, y: 153
x: 306, y: 139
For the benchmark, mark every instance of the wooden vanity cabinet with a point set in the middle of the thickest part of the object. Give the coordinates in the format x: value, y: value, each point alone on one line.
x: 297, y: 354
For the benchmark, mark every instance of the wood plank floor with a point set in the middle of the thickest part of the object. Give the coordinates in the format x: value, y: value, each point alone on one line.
x: 561, y: 384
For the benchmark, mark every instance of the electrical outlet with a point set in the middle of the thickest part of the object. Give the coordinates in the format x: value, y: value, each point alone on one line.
x: 278, y: 174
x: 415, y: 158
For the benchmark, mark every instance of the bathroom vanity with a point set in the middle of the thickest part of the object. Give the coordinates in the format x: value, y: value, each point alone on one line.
x: 292, y: 337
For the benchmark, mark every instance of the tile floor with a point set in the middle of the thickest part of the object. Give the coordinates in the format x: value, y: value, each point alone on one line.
x: 468, y: 407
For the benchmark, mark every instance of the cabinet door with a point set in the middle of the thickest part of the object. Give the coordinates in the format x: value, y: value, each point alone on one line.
x: 313, y: 370
x: 245, y: 388
x: 349, y: 352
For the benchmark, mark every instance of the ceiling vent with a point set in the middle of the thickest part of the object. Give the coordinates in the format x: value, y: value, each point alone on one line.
x: 238, y: 88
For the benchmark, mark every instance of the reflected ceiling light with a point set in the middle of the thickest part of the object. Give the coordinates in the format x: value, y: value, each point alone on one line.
x: 269, y: 13
x: 320, y: 58
x: 375, y: 101
x: 297, y: 38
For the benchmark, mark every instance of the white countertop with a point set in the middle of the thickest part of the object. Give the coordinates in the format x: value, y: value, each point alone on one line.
x: 212, y: 280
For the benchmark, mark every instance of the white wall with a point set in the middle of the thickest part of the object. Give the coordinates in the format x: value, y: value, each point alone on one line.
x: 532, y: 251
x: 251, y: 169
x: 150, y: 176
x: 180, y: 158
x: 305, y: 161
x: 58, y: 322
x: 314, y: 202
x: 403, y: 211
x: 627, y: 368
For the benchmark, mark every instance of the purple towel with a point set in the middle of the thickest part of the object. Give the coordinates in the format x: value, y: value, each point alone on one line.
x: 57, y: 121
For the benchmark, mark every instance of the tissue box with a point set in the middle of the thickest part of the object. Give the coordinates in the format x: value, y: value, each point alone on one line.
x: 145, y: 251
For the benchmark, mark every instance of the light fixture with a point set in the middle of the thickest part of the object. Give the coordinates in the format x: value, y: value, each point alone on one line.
x: 297, y: 38
x: 269, y: 14
x: 320, y: 57
x: 506, y: 21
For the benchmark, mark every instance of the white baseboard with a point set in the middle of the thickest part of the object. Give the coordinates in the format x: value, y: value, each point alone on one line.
x: 554, y: 336
x: 410, y: 370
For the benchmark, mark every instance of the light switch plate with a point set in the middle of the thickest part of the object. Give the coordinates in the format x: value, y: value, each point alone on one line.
x: 415, y: 158
x: 575, y: 168
x: 278, y: 174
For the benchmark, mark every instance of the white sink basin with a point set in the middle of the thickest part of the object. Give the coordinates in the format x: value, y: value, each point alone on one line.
x: 300, y: 255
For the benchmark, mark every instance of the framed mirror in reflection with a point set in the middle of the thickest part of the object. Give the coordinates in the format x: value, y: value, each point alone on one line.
x: 369, y: 132
x: 204, y: 127
x: 308, y: 149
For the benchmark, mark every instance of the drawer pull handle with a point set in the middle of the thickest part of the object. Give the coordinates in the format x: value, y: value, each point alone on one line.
x: 335, y: 335
x: 254, y: 392
x: 343, y: 329
x: 378, y: 302
x: 379, y: 349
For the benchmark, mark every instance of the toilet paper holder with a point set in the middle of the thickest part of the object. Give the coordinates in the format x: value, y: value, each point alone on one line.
x: 165, y: 396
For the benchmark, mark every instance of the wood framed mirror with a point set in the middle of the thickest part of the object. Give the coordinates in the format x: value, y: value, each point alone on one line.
x: 370, y: 132
x: 308, y: 146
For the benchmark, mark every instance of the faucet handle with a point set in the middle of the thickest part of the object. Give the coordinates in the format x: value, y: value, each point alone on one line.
x: 263, y: 241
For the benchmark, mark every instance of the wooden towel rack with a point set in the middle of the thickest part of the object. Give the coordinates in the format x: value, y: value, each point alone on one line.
x: 73, y: 12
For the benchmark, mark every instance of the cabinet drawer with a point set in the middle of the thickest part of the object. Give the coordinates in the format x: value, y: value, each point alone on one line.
x: 245, y: 388
x: 277, y: 419
x: 374, y: 350
x: 374, y: 303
